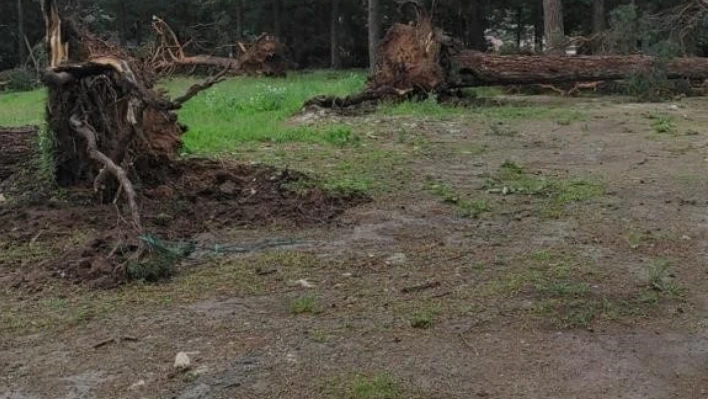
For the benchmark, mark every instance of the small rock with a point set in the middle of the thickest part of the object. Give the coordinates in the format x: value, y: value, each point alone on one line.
x: 2, y: 198
x: 200, y: 371
x: 182, y: 361
x: 674, y: 107
x: 396, y: 259
x: 347, y: 275
x: 291, y: 358
x: 137, y: 385
x: 303, y: 283
x: 686, y: 238
x: 228, y: 188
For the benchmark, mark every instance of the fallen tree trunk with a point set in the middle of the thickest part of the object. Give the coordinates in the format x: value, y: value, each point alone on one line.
x: 265, y: 56
x: 471, y: 68
x: 417, y: 59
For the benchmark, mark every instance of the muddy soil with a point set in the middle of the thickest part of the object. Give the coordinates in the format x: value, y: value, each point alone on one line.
x: 578, y: 293
x: 195, y: 196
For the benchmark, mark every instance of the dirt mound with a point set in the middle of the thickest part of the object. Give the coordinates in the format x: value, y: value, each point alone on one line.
x: 193, y: 196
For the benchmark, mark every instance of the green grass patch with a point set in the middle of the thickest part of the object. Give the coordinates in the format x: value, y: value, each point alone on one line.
x: 422, y: 319
x: 246, y: 109
x: 660, y: 279
x: 468, y: 208
x: 381, y: 386
x: 21, y: 109
x: 430, y: 108
x: 512, y: 178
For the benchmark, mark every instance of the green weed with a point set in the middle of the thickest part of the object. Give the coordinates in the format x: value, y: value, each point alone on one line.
x: 304, y: 304
x: 422, y: 319
x: 381, y: 386
x: 663, y: 124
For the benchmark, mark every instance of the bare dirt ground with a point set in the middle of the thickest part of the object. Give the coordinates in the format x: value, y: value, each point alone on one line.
x: 557, y: 252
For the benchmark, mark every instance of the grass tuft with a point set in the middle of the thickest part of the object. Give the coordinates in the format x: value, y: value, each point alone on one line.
x: 304, y: 304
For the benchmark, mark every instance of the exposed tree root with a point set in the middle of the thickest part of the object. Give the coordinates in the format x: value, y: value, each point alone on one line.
x: 87, y: 132
x: 367, y: 96
x: 112, y: 130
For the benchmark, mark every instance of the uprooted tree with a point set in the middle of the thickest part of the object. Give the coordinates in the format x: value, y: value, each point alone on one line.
x: 418, y: 59
x: 266, y: 55
x: 111, y: 127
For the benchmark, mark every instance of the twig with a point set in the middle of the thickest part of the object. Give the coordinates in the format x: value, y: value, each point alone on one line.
x: 33, y: 58
x: 87, y: 132
x: 421, y: 287
x: 114, y: 341
x: 467, y: 344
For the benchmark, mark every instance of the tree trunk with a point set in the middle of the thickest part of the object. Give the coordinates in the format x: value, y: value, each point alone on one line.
x: 374, y: 32
x: 553, y: 25
x: 22, y: 50
x: 538, y: 27
x: 415, y: 60
x: 475, y: 27
x: 335, y: 59
x: 277, y: 27
x: 239, y: 20
x: 598, y: 24
x: 472, y: 68
x: 122, y: 30
x: 519, y: 27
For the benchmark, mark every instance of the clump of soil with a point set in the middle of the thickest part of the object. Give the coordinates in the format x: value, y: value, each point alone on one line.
x: 184, y: 199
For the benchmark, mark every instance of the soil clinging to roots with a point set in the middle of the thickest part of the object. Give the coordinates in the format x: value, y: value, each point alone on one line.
x: 187, y: 198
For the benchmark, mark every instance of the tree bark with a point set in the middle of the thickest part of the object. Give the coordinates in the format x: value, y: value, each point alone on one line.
x: 519, y: 27
x: 598, y: 24
x: 239, y: 20
x: 553, y: 25
x: 277, y: 27
x: 122, y: 29
x: 475, y: 27
x: 374, y: 32
x: 538, y: 27
x: 335, y: 59
x: 472, y: 68
x: 22, y: 50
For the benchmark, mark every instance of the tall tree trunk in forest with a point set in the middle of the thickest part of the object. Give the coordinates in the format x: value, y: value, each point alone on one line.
x: 21, y: 32
x: 122, y: 29
x: 374, y: 32
x: 239, y: 20
x: 277, y: 28
x: 519, y: 27
x: 335, y: 59
x: 538, y: 27
x: 553, y: 21
x: 475, y: 27
x: 598, y: 24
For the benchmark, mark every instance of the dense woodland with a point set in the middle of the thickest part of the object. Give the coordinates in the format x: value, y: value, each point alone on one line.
x: 333, y: 33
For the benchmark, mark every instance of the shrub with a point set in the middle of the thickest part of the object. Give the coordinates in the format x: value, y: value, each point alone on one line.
x: 19, y: 79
